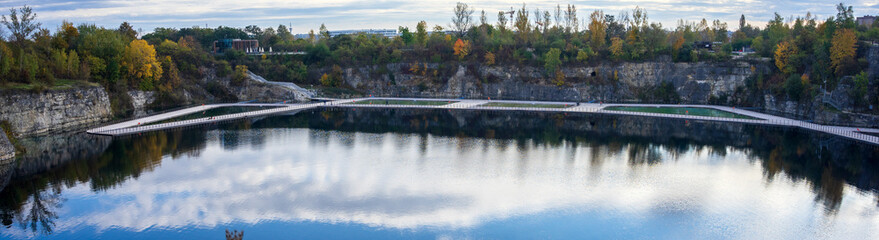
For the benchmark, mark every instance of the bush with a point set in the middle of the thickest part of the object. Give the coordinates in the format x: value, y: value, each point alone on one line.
x: 240, y: 76
x: 223, y: 68
x: 794, y: 87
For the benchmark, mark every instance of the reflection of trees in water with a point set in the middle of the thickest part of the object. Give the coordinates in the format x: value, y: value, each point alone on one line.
x: 826, y: 163
x: 41, y: 215
x: 32, y: 197
x: 35, y: 205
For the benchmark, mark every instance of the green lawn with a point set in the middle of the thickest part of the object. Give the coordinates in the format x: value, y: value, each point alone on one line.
x: 59, y: 85
x: 524, y: 105
x: 213, y: 112
x: 681, y: 111
x: 404, y: 102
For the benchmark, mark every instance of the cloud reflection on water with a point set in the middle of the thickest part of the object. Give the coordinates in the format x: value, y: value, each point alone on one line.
x: 412, y: 181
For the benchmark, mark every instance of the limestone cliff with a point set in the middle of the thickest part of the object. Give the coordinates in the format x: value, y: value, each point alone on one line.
x: 30, y: 113
x: 7, y: 151
x: 618, y: 82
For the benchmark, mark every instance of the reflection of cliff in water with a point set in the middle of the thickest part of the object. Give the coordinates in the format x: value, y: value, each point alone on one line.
x: 32, y: 185
x: 826, y: 162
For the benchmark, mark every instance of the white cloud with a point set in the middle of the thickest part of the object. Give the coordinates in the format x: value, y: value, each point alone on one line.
x: 387, y: 181
x: 346, y: 14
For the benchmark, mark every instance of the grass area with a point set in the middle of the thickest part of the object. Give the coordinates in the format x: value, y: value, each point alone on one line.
x: 212, y: 113
x: 335, y: 92
x: 707, y: 112
x: 523, y: 105
x: 405, y: 102
x: 60, y: 84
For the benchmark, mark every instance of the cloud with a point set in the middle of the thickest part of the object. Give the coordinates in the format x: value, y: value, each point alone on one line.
x: 296, y: 175
x: 345, y: 14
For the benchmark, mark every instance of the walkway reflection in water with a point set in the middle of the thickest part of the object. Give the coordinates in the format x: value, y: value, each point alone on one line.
x: 448, y: 173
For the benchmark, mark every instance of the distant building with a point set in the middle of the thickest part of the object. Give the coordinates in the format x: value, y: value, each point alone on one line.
x: 247, y: 46
x: 384, y: 32
x: 744, y: 51
x: 703, y: 45
x: 866, y: 20
x: 389, y: 33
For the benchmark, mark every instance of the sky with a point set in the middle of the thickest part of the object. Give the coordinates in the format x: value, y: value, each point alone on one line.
x: 304, y: 15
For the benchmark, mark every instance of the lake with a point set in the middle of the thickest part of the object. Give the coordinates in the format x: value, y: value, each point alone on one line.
x: 427, y: 174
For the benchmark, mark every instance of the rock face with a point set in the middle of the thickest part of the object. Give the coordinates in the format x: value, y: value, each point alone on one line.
x: 7, y: 151
x: 37, y: 113
x: 139, y: 101
x: 257, y: 89
x: 694, y: 82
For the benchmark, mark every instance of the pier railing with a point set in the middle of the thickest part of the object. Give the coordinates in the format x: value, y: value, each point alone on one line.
x: 754, y: 118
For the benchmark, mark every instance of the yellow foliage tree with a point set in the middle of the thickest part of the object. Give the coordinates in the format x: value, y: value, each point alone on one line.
x: 414, y: 68
x: 559, y: 79
x: 462, y: 48
x: 489, y: 58
x: 597, y: 31
x: 842, y: 50
x: 139, y: 58
x: 616, y: 47
x: 784, y: 51
x: 326, y: 80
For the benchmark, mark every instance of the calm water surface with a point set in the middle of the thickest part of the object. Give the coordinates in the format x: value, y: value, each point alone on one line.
x: 425, y: 174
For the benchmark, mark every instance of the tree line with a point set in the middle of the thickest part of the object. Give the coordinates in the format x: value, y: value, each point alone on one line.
x: 803, y: 51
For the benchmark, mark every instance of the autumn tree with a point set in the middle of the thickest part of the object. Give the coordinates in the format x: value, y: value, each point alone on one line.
x: 170, y: 75
x: 462, y: 48
x: 597, y: 29
x: 66, y: 35
x: 784, y: 53
x: 139, y: 59
x: 239, y: 77
x: 489, y: 58
x: 616, y: 47
x: 842, y: 51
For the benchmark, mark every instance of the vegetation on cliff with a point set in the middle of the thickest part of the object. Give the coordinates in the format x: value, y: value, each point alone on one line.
x: 804, y: 51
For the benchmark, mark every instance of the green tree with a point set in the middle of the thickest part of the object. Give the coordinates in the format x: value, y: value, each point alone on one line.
x: 7, y: 61
x: 551, y: 60
x: 463, y: 18
x: 794, y: 87
x: 324, y: 33
x: 583, y: 54
x: 405, y: 35
x: 72, y: 65
x: 21, y: 24
x: 421, y: 33
x: 127, y: 31
x: 523, y: 27
x: 862, y: 81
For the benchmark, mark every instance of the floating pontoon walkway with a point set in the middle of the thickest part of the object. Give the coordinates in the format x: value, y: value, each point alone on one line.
x: 138, y: 125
